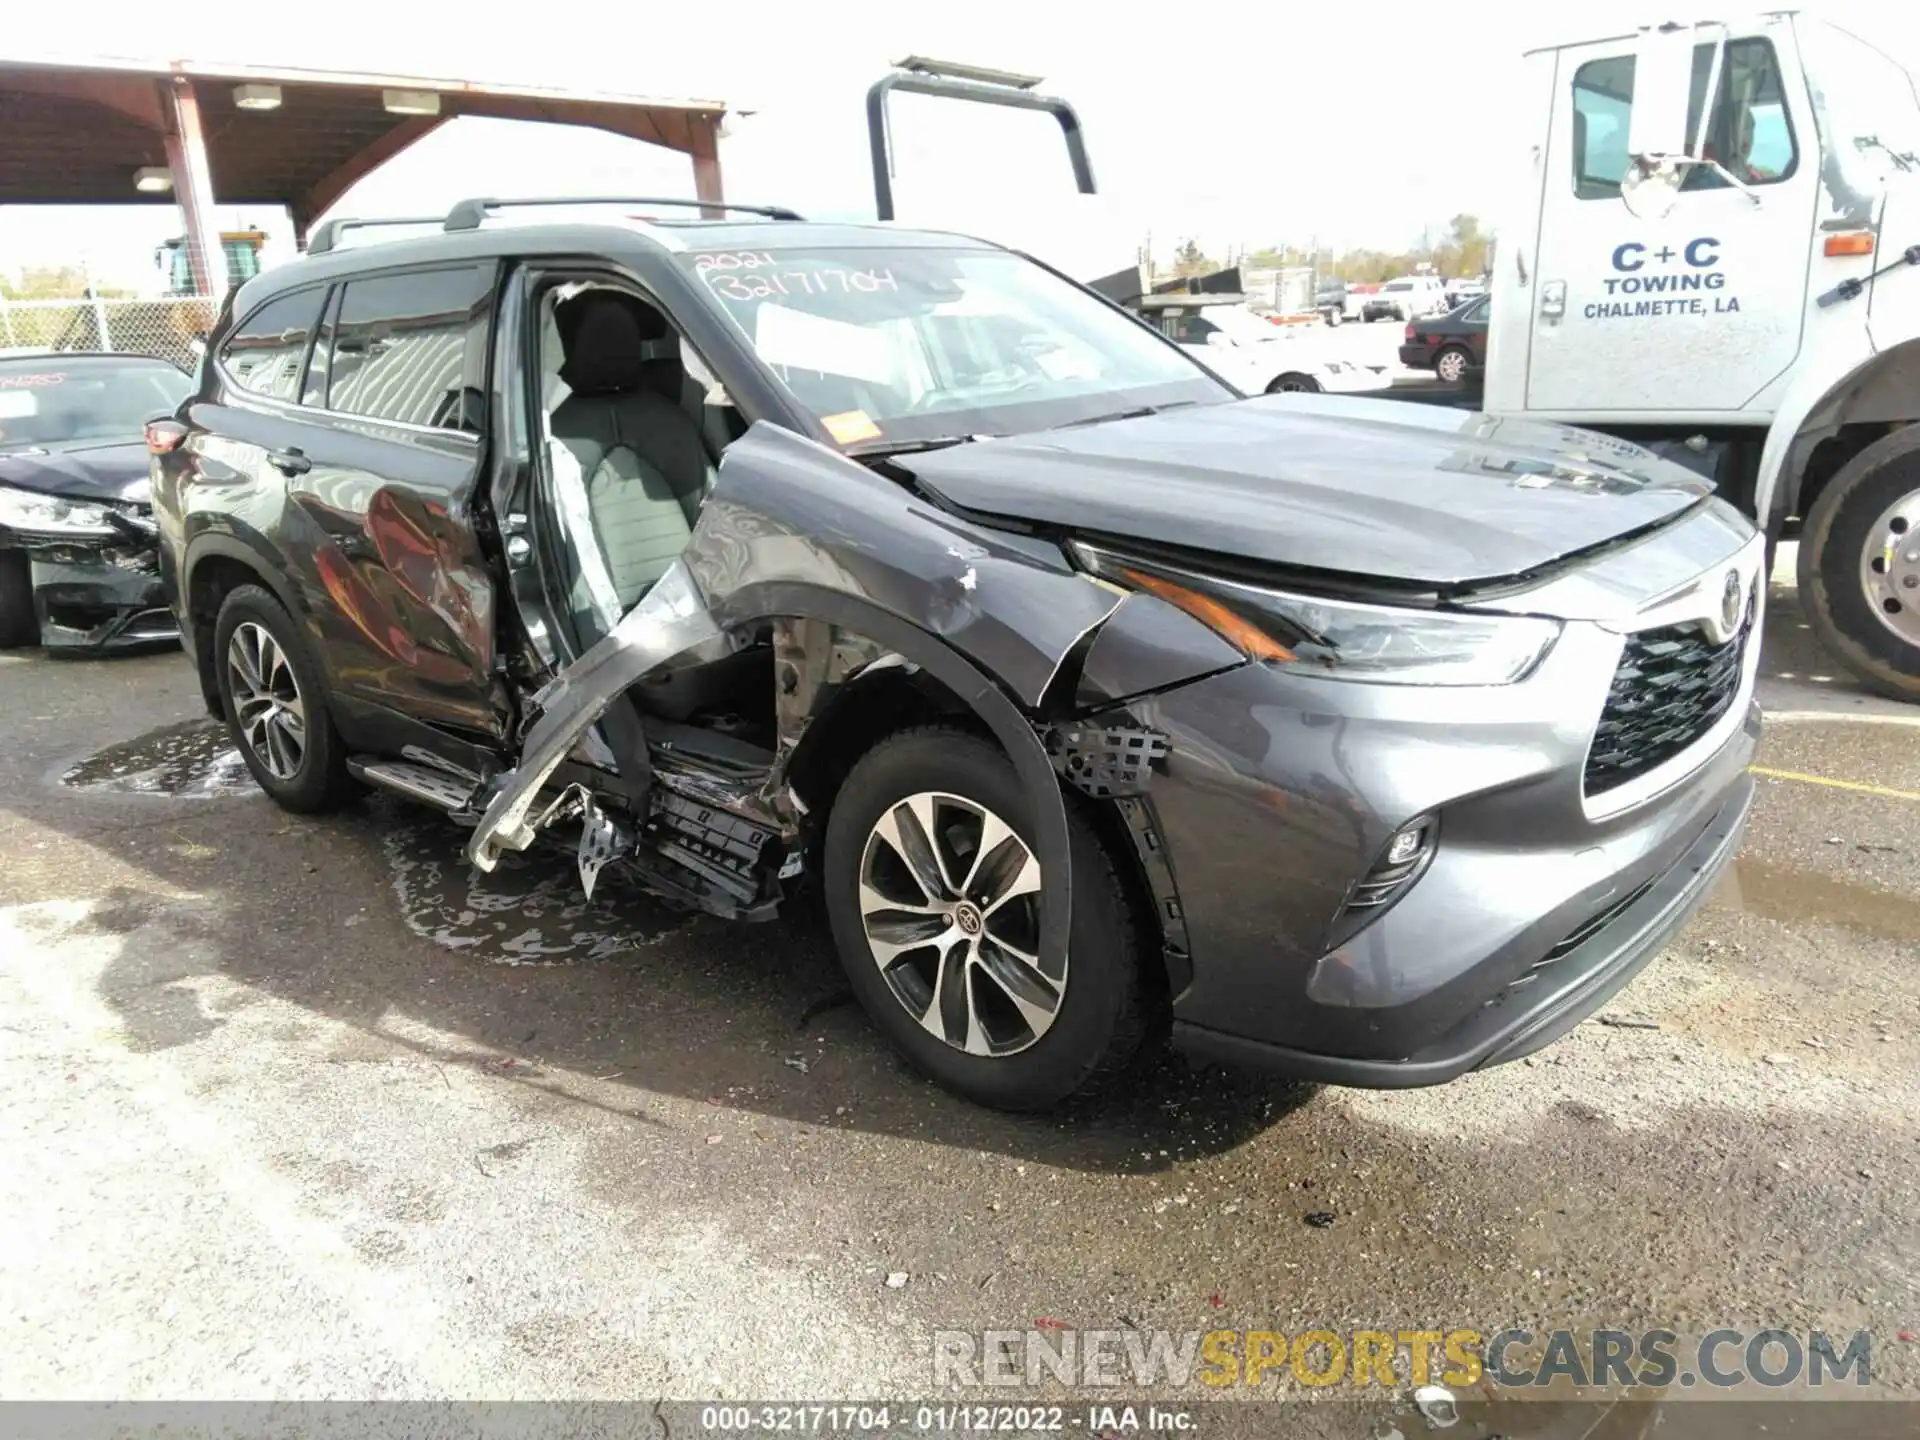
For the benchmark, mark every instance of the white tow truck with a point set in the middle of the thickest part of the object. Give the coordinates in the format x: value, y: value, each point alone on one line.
x: 1715, y: 252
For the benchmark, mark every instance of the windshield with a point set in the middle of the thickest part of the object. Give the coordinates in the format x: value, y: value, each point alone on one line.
x: 1868, y: 116
x: 47, y: 404
x: 1399, y: 285
x: 899, y: 345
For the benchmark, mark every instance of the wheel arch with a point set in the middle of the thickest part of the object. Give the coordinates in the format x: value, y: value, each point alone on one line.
x: 959, y: 678
x: 1826, y: 417
x: 216, y: 565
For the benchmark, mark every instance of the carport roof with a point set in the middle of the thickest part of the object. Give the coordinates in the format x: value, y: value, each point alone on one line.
x: 76, y: 131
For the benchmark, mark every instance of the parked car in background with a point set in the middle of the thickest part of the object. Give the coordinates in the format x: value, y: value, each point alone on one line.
x: 79, y: 562
x: 1464, y: 289
x: 1411, y: 297
x: 1338, y: 302
x: 1249, y: 353
x: 1453, y: 346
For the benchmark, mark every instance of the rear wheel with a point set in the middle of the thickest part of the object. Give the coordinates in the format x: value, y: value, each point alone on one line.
x: 275, y: 702
x: 1451, y: 364
x: 1335, y: 318
x: 933, y: 889
x: 1860, y: 565
x: 19, y: 624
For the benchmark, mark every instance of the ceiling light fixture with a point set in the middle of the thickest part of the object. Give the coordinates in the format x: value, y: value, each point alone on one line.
x: 411, y: 102
x: 153, y: 179
x: 257, y: 97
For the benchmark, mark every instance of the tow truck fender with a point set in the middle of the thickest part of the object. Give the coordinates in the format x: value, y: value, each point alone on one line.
x: 1844, y: 385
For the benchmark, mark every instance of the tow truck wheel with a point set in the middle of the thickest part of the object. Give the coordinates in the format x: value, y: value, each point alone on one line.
x: 19, y: 625
x: 1860, y: 565
x: 1293, y: 383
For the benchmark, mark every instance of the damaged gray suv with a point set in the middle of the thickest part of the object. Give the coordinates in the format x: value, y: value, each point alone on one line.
x: 1370, y: 743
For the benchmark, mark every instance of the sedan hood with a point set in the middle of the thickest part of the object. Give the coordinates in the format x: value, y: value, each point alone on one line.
x: 90, y: 472
x: 1408, y: 493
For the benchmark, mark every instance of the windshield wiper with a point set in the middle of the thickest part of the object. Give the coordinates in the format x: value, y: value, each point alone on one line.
x: 1136, y: 414
x: 884, y: 449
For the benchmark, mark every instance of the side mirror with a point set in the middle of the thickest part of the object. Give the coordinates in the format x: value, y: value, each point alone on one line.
x: 1662, y: 81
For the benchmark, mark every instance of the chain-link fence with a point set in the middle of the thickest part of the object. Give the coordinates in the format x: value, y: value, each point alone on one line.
x: 163, y: 327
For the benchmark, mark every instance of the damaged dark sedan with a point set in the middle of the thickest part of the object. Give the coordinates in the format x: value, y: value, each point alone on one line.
x: 79, y: 559
x: 1366, y: 742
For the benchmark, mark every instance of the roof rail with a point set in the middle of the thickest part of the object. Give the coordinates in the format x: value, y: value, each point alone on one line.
x: 469, y: 214
x: 326, y: 236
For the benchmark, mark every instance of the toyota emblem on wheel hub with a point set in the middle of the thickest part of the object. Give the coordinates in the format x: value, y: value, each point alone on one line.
x: 967, y: 918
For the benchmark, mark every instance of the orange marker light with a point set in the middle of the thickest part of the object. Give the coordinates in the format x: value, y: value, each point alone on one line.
x: 1858, y: 242
x: 1248, y: 637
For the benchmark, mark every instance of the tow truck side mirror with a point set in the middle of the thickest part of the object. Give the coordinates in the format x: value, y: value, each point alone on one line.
x: 1662, y: 79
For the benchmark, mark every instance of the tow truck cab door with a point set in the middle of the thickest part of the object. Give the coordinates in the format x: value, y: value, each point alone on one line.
x: 1684, y: 304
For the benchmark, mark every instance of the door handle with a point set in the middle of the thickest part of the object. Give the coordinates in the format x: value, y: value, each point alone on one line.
x: 290, y: 461
x: 1553, y: 299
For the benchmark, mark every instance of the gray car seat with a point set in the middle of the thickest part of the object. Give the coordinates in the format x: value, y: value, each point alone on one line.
x: 641, y: 455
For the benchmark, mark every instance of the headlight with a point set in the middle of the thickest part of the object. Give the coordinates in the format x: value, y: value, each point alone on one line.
x: 1339, y: 639
x: 45, y: 514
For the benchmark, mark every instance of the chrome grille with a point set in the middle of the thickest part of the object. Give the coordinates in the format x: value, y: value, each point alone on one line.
x: 1671, y: 687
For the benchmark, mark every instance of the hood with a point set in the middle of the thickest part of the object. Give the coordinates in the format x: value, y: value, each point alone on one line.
x: 89, y: 472
x: 1390, y: 490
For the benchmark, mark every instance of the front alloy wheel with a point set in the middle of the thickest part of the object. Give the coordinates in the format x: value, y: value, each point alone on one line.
x: 949, y: 900
x: 934, y: 886
x: 268, y: 709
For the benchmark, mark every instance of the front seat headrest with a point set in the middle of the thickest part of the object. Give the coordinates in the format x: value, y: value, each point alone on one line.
x: 616, y: 343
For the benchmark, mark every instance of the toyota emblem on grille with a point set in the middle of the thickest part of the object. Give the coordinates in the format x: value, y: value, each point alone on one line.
x: 1731, y: 596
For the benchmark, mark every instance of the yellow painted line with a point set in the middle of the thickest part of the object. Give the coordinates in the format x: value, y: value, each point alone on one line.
x: 1854, y: 785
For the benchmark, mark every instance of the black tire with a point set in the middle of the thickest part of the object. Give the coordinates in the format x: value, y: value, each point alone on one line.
x: 19, y: 622
x: 1833, y: 540
x: 1106, y: 1011
x: 1440, y: 361
x: 320, y: 782
x: 1336, y: 319
x: 1294, y: 382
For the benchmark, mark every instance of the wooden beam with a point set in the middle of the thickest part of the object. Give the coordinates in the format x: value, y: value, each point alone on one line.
x: 130, y: 95
x: 326, y: 191
x: 704, y: 146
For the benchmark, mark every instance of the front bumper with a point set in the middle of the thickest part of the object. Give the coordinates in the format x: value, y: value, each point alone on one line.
x: 100, y: 600
x: 1515, y: 1023
x: 1281, y: 791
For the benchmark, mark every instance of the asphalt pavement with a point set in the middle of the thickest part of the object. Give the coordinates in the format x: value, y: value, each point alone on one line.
x: 299, y: 1108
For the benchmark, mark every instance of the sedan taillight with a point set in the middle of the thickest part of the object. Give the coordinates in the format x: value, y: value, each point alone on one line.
x: 1411, y: 337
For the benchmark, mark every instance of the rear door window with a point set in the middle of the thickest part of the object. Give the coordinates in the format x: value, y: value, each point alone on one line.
x: 266, y: 351
x: 411, y: 347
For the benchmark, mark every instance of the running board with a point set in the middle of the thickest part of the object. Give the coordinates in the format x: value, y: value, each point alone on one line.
x: 439, y: 788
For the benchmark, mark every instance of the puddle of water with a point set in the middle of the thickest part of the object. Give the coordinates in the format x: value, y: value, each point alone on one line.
x: 192, y: 760
x: 1779, y: 892
x: 529, y: 911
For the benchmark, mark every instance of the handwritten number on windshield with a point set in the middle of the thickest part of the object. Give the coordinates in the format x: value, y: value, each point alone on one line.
x: 755, y: 275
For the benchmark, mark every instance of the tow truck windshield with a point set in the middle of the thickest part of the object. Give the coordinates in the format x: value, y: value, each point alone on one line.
x: 915, y: 344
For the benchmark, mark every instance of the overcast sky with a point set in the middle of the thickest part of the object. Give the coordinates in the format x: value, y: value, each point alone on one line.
x: 1236, y: 124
